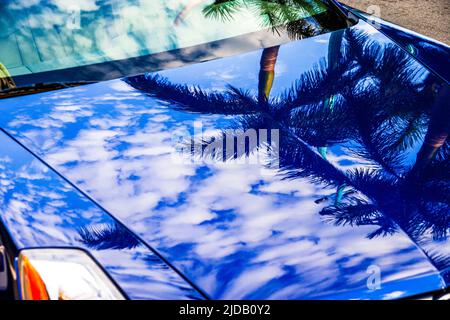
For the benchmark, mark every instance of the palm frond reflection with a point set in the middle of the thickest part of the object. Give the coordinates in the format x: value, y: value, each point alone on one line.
x: 363, y: 99
x: 107, y: 236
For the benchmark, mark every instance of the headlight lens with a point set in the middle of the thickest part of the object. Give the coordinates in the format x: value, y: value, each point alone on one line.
x: 63, y: 274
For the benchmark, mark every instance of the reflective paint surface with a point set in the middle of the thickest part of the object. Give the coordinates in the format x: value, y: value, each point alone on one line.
x: 40, y: 209
x: 430, y: 52
x: 345, y: 200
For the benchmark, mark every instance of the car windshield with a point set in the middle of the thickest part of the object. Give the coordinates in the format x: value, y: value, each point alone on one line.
x: 48, y: 41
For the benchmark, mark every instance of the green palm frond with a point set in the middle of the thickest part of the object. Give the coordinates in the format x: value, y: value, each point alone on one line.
x: 223, y: 9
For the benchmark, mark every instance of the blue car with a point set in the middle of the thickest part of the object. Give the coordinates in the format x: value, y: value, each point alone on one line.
x: 226, y: 150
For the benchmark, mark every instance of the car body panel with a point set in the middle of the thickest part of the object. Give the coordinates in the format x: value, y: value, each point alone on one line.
x: 236, y: 230
x: 432, y: 53
x: 40, y: 209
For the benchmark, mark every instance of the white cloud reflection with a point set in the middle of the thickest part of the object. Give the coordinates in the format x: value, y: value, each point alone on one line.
x: 236, y: 230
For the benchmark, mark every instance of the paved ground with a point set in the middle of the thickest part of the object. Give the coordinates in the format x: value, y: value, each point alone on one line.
x: 429, y: 17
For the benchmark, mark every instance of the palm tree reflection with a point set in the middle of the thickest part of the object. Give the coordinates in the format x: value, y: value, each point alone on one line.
x: 369, y: 99
x: 298, y: 18
x: 107, y: 236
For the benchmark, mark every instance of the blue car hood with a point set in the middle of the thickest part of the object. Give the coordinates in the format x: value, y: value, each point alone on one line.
x: 333, y: 217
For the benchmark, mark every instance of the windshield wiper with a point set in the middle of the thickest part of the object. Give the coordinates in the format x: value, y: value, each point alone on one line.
x: 40, y: 87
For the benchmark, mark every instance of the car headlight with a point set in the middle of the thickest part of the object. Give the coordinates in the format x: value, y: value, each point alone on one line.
x: 62, y: 274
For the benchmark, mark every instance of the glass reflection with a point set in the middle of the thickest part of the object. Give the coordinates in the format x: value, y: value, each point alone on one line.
x: 39, y: 36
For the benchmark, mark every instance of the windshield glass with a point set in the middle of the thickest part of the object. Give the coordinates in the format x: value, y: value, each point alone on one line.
x: 52, y: 40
